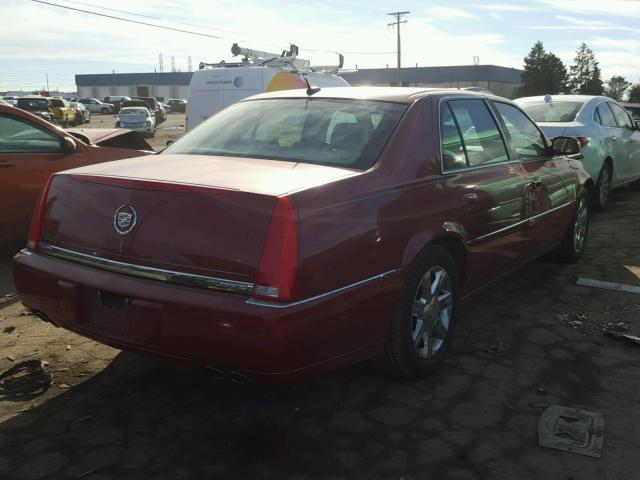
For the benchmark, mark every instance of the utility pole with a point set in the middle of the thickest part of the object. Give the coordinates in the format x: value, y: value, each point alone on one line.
x: 47, y: 76
x: 173, y: 63
x: 189, y: 65
x: 397, y: 23
x: 161, y: 62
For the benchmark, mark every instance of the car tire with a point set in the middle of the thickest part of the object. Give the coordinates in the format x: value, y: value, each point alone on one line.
x: 104, y: 111
x: 574, y: 241
x: 603, y: 188
x: 424, y: 323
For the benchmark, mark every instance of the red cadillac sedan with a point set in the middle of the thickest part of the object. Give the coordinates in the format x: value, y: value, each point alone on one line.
x: 300, y: 231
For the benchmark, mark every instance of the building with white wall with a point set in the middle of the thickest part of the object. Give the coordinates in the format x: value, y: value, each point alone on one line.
x: 162, y: 84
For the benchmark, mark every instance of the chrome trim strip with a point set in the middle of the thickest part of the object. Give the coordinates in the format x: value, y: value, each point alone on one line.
x: 187, y: 279
x: 522, y: 222
x: 264, y: 303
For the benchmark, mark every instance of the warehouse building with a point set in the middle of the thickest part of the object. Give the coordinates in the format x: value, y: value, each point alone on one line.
x: 155, y: 84
x: 500, y: 80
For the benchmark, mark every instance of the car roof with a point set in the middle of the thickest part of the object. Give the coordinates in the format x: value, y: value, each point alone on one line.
x: 563, y: 98
x: 389, y: 94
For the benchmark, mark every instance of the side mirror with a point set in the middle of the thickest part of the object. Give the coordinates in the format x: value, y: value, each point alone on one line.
x: 566, y: 145
x: 68, y: 145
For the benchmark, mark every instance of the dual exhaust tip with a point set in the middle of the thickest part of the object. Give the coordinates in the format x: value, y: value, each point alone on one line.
x: 230, y: 375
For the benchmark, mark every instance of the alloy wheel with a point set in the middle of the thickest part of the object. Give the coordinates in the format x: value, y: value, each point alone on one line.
x: 605, y: 181
x: 431, y: 311
x: 580, y: 227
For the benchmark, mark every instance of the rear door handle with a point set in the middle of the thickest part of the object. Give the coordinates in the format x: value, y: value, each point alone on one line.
x: 614, y: 139
x: 470, y: 199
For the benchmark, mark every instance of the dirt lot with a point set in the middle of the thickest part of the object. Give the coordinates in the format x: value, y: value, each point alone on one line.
x: 531, y: 341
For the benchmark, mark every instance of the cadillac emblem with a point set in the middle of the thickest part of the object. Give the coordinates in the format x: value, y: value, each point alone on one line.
x: 125, y: 219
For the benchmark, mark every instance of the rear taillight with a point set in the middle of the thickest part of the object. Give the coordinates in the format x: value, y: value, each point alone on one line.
x: 35, y: 230
x: 279, y: 262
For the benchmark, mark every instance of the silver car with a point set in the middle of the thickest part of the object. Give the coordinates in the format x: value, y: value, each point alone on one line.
x: 609, y: 137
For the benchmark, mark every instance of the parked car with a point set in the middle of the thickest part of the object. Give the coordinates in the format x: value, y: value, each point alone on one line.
x: 116, y: 101
x: 154, y: 107
x: 10, y: 99
x: 32, y: 148
x: 295, y: 233
x: 178, y: 105
x: 96, y: 106
x: 167, y: 108
x: 63, y: 113
x: 38, y: 106
x: 610, y: 140
x: 139, y: 119
x: 83, y: 115
x: 2, y: 102
x: 633, y: 109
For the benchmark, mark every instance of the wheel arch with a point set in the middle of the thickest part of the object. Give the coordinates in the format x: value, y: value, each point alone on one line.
x: 450, y: 238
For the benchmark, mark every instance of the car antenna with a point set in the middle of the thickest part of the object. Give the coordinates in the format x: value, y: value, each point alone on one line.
x: 311, y: 90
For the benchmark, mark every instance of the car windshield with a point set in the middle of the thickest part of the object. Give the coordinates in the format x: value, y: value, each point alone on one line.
x: 133, y: 111
x: 33, y: 103
x: 337, y: 132
x: 552, y: 111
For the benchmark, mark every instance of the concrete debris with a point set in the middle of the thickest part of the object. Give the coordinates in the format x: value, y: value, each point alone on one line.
x: 572, y: 430
x: 631, y: 338
x: 615, y: 327
x: 619, y: 287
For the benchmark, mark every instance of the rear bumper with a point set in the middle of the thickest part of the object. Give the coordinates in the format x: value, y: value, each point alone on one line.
x: 210, y: 328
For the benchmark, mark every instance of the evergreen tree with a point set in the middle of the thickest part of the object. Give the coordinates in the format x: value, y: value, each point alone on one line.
x: 634, y: 93
x: 584, y: 74
x: 543, y: 73
x: 616, y: 87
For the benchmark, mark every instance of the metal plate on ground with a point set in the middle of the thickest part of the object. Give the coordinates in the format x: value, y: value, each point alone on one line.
x: 572, y: 430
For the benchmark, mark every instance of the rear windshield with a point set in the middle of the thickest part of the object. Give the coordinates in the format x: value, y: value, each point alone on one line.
x: 33, y: 103
x: 134, y: 111
x: 552, y: 111
x: 336, y: 132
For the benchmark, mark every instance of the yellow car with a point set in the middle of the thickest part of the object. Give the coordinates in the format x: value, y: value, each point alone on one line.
x: 63, y: 113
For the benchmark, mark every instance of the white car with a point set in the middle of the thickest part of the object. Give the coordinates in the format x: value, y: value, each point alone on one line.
x: 96, y: 106
x: 610, y: 139
x: 138, y: 119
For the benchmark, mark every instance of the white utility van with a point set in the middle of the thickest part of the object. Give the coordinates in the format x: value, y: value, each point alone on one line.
x: 216, y: 86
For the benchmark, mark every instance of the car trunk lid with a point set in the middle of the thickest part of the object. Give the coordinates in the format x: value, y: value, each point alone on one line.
x: 194, y: 215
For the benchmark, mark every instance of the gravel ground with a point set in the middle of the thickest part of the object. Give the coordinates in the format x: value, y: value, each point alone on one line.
x: 532, y: 340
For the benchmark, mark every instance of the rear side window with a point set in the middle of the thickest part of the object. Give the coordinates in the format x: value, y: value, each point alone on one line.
x: 453, y: 155
x: 606, y: 117
x: 525, y: 140
x: 481, y: 138
x: 623, y: 118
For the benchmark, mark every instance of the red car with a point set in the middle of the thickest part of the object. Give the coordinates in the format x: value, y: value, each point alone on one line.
x: 296, y: 232
x: 31, y: 149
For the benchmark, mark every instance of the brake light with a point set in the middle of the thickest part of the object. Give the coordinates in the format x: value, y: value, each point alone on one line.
x: 279, y: 262
x: 583, y: 141
x: 35, y: 230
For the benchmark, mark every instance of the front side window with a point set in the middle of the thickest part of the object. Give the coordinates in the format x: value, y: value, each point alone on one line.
x: 481, y: 137
x: 18, y: 136
x: 623, y: 118
x: 337, y: 132
x: 606, y: 117
x: 525, y: 140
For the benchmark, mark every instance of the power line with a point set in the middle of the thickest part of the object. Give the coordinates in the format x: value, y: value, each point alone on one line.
x: 190, y: 32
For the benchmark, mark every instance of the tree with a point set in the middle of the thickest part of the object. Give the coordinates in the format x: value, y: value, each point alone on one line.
x: 616, y: 87
x: 584, y: 74
x: 543, y: 73
x: 634, y: 93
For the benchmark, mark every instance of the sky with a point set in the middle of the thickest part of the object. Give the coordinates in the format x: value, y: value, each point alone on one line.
x: 37, y: 40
